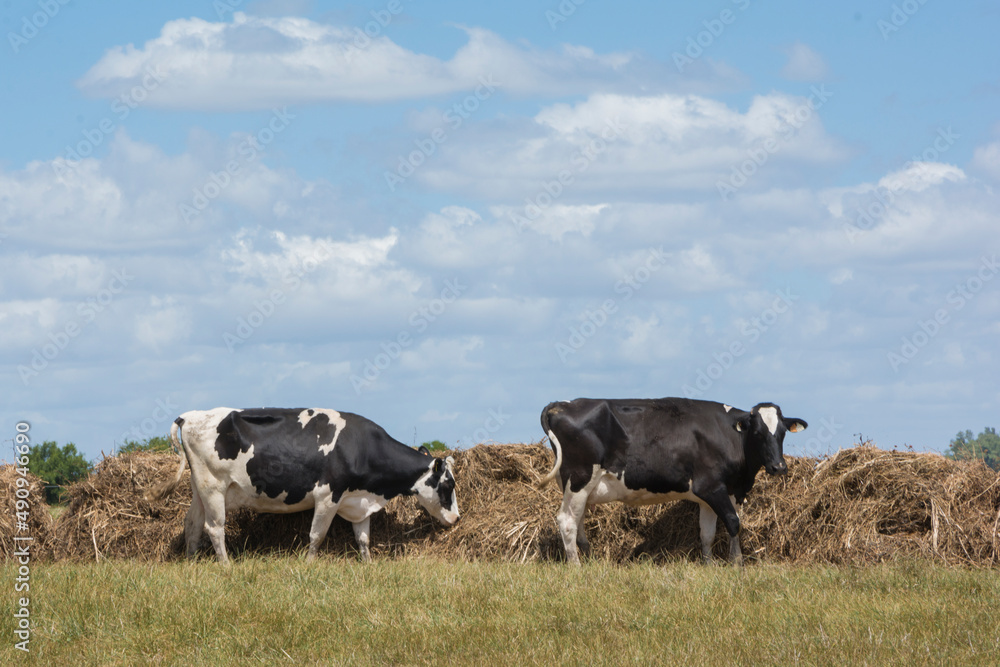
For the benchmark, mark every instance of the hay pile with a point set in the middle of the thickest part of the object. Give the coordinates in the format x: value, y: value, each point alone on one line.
x: 861, y: 506
x: 867, y: 505
x: 107, y: 516
x: 39, y: 521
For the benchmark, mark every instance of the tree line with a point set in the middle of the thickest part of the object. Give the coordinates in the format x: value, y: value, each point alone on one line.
x: 985, y: 446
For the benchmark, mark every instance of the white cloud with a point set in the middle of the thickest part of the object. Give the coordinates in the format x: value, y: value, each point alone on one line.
x: 553, y: 221
x: 648, y: 339
x: 633, y: 146
x: 457, y: 239
x: 953, y: 355
x: 919, y: 176
x: 165, y: 324
x: 23, y: 322
x: 298, y: 255
x: 259, y: 62
x: 987, y: 159
x: 55, y: 274
x: 804, y: 64
x: 447, y: 354
x: 38, y: 203
x: 306, y: 271
x: 133, y: 197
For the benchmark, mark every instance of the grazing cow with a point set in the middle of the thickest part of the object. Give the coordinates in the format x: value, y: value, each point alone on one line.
x: 644, y: 452
x: 281, y: 460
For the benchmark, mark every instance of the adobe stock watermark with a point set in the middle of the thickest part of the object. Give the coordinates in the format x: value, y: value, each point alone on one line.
x: 821, y: 438
x: 153, y: 425
x: 562, y: 12
x: 900, y: 16
x: 223, y: 7
x: 21, y: 555
x: 594, y: 320
x: 247, y: 150
x: 492, y: 425
x: 714, y: 27
x: 927, y: 329
x: 31, y: 26
x: 750, y: 333
x: 263, y: 309
x: 121, y: 107
x: 757, y: 157
x: 362, y: 36
x: 419, y: 321
x: 87, y: 311
x: 550, y: 190
x: 866, y: 216
x: 452, y: 119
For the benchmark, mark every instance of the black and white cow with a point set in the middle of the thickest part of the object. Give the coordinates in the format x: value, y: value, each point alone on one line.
x: 649, y: 451
x: 282, y: 460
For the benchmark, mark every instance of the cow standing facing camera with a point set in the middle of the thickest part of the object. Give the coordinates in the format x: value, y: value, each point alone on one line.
x: 649, y: 451
x: 289, y: 460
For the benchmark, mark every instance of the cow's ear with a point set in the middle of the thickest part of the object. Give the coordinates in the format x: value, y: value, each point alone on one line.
x: 743, y: 422
x: 438, y: 466
x: 423, y: 450
x: 795, y: 425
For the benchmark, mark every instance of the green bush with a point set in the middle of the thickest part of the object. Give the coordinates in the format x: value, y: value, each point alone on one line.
x: 436, y: 446
x: 160, y: 443
x: 58, y: 466
x: 985, y: 446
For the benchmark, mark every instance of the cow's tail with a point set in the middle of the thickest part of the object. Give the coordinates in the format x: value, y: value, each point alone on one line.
x: 556, y: 447
x: 161, y: 491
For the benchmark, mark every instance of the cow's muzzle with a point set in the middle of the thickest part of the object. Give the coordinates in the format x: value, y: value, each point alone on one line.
x: 780, y: 469
x: 449, y: 518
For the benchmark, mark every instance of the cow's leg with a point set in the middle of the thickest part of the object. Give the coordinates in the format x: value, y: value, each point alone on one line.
x: 708, y: 521
x: 570, y: 518
x: 323, y: 515
x: 719, y: 501
x: 581, y: 533
x: 194, y: 524
x: 735, y: 552
x: 361, y: 535
x: 214, y: 504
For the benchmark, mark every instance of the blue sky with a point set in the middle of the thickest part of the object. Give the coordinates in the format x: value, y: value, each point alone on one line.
x: 476, y: 209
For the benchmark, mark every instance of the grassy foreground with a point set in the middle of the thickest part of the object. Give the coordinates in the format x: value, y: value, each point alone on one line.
x: 282, y: 610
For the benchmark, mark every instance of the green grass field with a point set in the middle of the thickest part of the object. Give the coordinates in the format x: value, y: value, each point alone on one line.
x: 414, y: 612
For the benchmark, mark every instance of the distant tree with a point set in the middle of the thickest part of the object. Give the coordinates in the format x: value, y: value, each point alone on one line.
x: 985, y: 446
x: 436, y: 446
x: 58, y: 466
x: 159, y: 443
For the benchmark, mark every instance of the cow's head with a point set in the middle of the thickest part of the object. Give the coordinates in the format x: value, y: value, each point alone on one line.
x: 436, y: 490
x: 763, y: 430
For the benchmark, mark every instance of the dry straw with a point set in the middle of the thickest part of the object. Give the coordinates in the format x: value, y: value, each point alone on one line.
x: 39, y: 521
x: 863, y: 505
